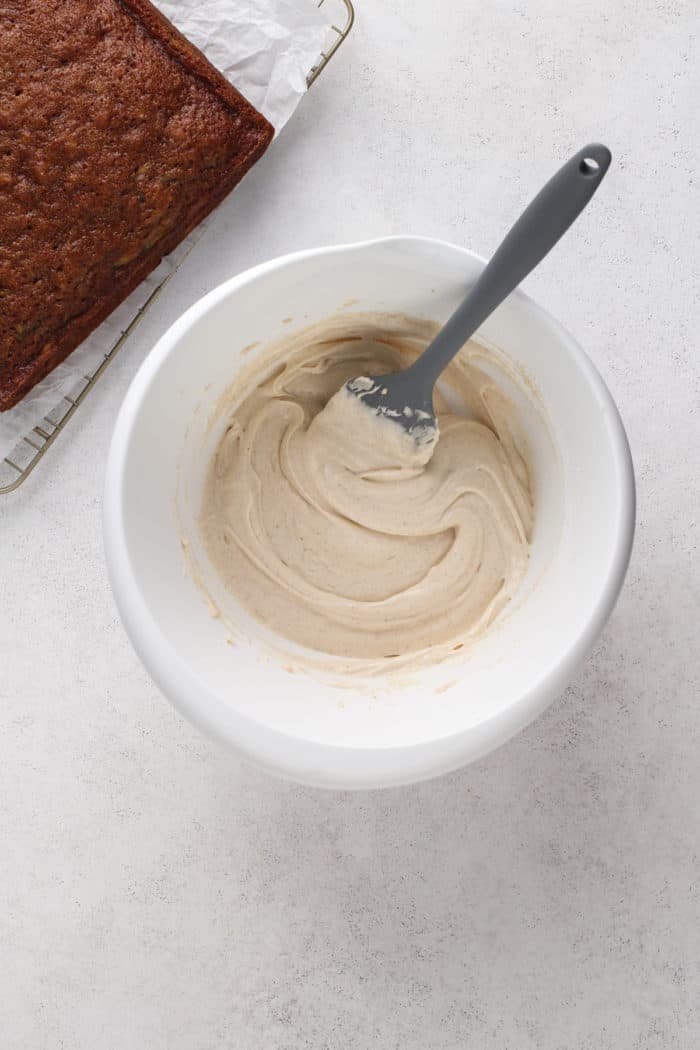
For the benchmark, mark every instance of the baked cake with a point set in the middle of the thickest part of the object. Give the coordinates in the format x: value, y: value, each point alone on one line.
x: 117, y: 137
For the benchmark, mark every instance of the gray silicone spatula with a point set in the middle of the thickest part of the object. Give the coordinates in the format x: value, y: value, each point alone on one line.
x: 407, y: 396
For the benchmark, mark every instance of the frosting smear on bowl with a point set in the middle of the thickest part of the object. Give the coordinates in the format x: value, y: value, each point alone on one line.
x: 334, y: 528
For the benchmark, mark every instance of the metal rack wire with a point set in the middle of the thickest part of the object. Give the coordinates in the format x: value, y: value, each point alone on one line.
x: 338, y: 34
x: 32, y: 447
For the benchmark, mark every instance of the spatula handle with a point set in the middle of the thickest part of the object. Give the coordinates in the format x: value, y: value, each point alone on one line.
x: 535, y: 233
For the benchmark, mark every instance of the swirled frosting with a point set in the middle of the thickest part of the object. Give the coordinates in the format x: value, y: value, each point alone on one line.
x: 340, y: 533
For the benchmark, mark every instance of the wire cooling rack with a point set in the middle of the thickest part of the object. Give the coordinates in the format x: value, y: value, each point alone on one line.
x: 33, y: 446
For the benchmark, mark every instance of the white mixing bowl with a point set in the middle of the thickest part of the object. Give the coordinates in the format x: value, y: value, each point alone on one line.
x: 314, y: 728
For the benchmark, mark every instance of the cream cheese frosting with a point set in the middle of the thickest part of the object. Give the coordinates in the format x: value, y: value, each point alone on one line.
x: 332, y: 527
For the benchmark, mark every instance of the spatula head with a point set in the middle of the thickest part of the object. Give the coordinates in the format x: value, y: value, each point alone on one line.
x: 396, y: 398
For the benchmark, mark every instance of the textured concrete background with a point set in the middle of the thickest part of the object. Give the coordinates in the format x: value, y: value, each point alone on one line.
x: 155, y: 894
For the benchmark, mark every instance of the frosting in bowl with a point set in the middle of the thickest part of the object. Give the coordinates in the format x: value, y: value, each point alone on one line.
x: 340, y: 533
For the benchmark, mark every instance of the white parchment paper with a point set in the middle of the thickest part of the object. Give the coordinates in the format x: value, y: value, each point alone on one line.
x: 265, y: 48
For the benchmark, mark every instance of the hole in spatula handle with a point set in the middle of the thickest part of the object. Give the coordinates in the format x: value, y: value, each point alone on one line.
x: 589, y: 166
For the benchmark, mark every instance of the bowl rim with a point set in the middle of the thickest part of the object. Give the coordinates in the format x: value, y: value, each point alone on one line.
x: 297, y: 757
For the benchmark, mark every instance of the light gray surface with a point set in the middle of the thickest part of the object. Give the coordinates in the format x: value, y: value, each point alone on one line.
x: 154, y: 893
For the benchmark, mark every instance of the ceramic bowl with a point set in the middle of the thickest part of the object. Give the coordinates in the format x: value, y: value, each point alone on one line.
x: 347, y: 732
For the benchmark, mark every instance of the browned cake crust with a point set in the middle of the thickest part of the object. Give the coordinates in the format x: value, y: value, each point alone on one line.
x: 117, y: 137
